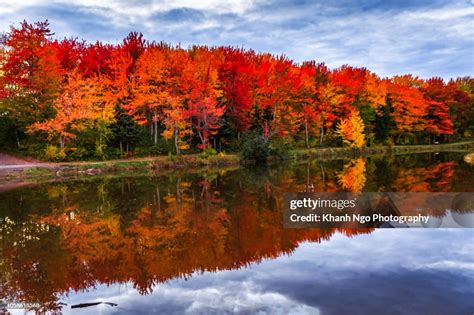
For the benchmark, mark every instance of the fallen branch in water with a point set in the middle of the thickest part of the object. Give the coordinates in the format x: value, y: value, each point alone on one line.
x: 92, y: 304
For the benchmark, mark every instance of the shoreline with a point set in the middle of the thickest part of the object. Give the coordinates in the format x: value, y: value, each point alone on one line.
x: 23, y: 173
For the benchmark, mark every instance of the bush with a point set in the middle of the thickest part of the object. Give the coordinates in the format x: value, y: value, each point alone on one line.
x: 280, y: 147
x: 53, y: 153
x: 112, y: 153
x: 209, y: 151
x: 36, y: 150
x: 254, y: 147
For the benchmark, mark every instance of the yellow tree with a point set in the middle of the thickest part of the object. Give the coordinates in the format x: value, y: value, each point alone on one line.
x: 351, y: 130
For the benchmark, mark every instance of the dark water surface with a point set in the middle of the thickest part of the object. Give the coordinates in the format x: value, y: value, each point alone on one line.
x: 213, y: 242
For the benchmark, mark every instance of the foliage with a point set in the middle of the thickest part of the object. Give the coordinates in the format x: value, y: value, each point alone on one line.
x: 53, y: 153
x: 352, y: 177
x: 144, y: 98
x: 254, y: 147
x: 351, y: 130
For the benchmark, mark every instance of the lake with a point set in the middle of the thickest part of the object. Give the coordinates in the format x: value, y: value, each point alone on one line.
x: 213, y: 242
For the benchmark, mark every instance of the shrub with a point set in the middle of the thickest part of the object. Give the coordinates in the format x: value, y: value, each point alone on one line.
x: 36, y: 150
x: 254, y: 147
x: 280, y: 147
x: 112, y: 153
x: 50, y: 152
x: 209, y: 151
x: 53, y: 153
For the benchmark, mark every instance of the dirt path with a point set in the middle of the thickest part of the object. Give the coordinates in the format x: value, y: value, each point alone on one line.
x: 8, y: 161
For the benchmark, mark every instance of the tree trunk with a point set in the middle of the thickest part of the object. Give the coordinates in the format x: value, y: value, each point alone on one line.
x: 61, y: 142
x: 155, y: 132
x: 17, y: 139
x: 176, y: 142
x: 158, y: 198
x: 306, y: 130
x: 202, y: 140
x: 151, y: 130
x: 307, y: 177
x: 121, y: 148
x: 178, y: 192
x: 321, y: 138
x: 323, y: 174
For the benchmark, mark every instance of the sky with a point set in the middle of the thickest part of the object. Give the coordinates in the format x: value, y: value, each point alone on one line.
x: 425, y: 38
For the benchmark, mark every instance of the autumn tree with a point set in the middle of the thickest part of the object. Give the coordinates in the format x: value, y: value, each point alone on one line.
x: 463, y: 111
x: 351, y: 130
x: 277, y: 78
x: 349, y: 83
x: 73, y: 110
x: 149, y: 88
x: 440, y: 97
x: 203, y: 94
x: 107, y: 95
x: 238, y: 82
x: 313, y: 98
x: 175, y: 115
x: 372, y: 104
x: 25, y: 93
x: 409, y: 105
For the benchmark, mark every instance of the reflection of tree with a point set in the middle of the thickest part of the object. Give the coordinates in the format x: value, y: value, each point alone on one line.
x: 177, y: 229
x: 436, y: 177
x: 76, y: 235
x: 352, y: 177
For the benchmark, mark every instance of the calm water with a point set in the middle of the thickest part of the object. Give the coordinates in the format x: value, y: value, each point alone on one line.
x: 213, y: 243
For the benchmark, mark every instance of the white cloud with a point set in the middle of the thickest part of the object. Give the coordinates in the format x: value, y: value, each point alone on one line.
x: 140, y: 8
x: 424, y: 40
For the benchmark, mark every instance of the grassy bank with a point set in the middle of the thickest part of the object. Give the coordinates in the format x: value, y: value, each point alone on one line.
x: 149, y: 165
x: 161, y: 164
x: 338, y: 153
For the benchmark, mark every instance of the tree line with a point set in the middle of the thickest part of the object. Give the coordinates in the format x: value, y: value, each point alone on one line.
x: 69, y: 99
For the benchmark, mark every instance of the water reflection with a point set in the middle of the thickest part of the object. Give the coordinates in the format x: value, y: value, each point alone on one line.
x: 58, y: 238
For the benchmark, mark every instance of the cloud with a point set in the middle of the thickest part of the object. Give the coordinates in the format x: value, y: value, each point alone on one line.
x: 426, y: 38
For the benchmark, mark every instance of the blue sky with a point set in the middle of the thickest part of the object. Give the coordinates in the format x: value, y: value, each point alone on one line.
x: 426, y: 38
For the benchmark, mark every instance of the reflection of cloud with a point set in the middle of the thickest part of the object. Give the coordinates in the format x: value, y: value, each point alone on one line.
x: 409, y: 271
x: 390, y: 37
x: 227, y: 297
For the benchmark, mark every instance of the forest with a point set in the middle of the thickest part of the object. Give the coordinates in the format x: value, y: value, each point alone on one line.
x: 66, y: 99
